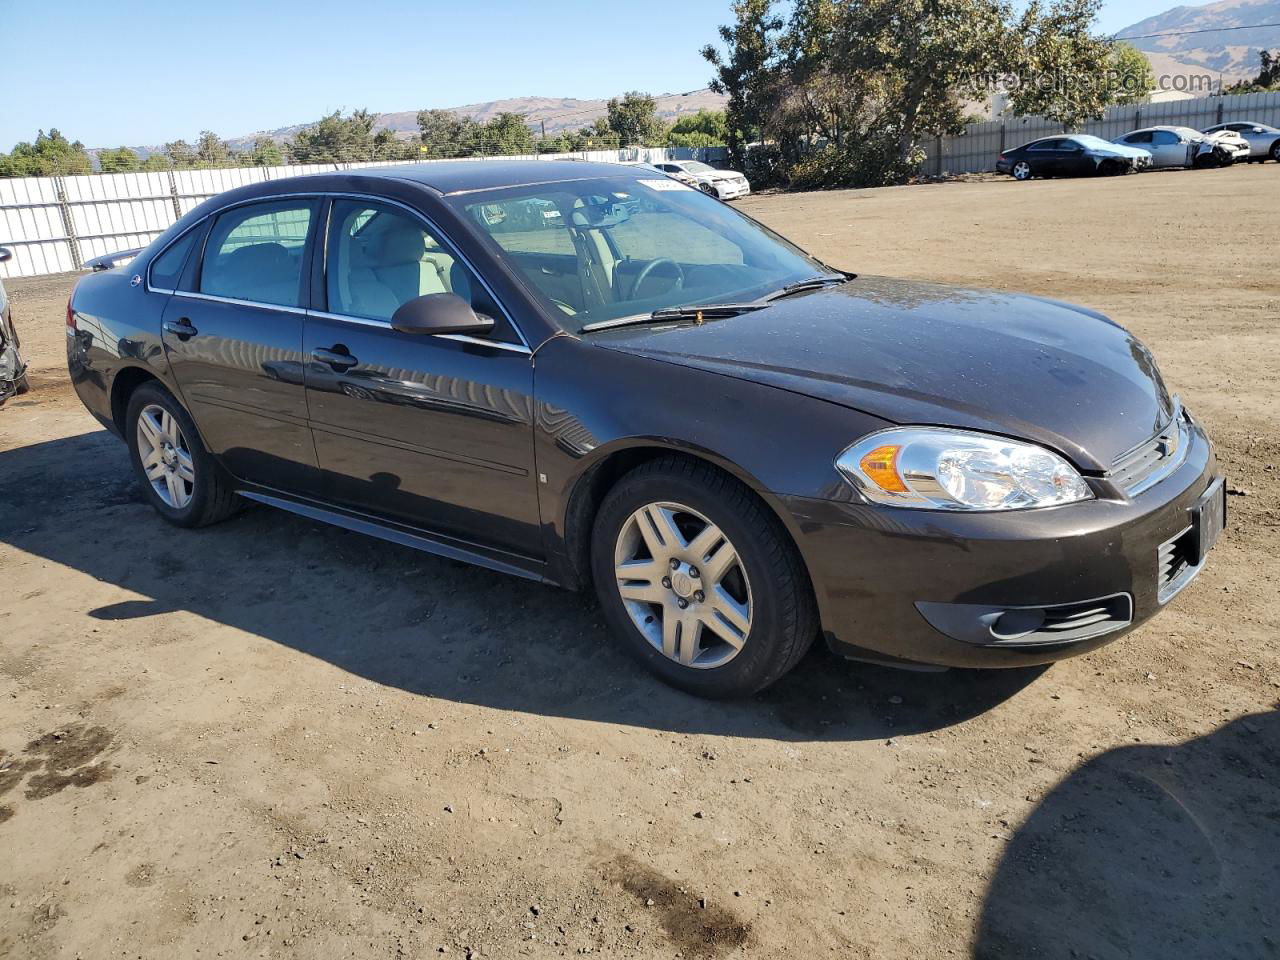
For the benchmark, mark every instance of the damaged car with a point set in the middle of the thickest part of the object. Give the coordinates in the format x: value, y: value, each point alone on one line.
x: 1184, y: 147
x: 1077, y: 155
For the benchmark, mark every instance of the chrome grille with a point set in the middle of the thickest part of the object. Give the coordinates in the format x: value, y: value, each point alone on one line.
x: 1146, y: 465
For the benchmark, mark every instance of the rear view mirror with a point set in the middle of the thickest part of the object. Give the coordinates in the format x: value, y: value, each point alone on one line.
x: 5, y: 254
x: 436, y: 313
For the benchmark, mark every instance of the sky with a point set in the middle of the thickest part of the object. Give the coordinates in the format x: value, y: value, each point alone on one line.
x: 143, y: 72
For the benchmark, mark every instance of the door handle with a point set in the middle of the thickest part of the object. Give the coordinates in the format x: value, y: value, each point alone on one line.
x: 180, y: 328
x: 335, y: 356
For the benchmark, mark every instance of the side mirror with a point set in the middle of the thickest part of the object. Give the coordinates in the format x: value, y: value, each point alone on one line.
x: 5, y: 254
x: 437, y: 313
x: 1257, y: 130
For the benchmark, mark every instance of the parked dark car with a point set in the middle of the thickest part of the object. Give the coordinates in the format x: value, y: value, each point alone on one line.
x: 1077, y: 155
x: 739, y: 446
x: 13, y: 372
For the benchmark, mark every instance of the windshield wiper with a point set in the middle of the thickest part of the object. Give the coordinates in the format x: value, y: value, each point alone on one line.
x: 695, y: 312
x: 812, y: 283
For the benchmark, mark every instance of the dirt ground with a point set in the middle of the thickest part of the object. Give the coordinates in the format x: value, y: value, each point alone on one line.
x: 276, y: 739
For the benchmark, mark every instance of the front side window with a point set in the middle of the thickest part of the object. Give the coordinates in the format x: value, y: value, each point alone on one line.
x: 381, y: 257
x: 1164, y: 138
x: 603, y: 249
x: 257, y: 252
x: 1142, y: 137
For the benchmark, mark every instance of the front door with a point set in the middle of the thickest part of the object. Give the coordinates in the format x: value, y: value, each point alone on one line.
x: 431, y: 431
x: 233, y: 337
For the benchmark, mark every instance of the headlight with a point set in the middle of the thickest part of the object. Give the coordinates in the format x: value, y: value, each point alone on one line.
x: 933, y: 468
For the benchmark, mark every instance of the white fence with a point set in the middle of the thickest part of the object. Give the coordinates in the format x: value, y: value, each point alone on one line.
x: 975, y: 150
x: 55, y: 224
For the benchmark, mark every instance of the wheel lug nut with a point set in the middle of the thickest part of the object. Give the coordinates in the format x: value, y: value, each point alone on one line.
x: 675, y: 564
x: 666, y: 582
x: 698, y: 596
x: 681, y: 602
x: 693, y: 572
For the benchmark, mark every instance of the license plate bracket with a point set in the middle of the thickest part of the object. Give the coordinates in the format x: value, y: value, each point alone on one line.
x: 1209, y: 519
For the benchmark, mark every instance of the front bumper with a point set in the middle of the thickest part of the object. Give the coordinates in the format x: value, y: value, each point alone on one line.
x: 897, y: 585
x: 730, y: 190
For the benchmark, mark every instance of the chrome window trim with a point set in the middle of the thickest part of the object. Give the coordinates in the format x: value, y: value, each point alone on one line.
x: 260, y: 304
x: 457, y: 337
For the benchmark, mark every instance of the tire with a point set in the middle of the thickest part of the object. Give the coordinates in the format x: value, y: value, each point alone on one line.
x: 209, y: 497
x: 1275, y: 151
x: 708, y: 189
x: 766, y: 570
x: 22, y: 385
x: 1022, y: 171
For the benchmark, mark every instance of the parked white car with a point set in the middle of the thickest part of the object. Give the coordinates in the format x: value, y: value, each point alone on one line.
x: 725, y: 184
x: 1263, y: 140
x: 1184, y: 147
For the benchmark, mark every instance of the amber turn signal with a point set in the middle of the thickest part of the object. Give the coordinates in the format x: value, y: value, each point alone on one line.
x: 881, y: 467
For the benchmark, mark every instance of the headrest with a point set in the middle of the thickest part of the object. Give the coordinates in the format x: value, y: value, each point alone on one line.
x: 401, y: 242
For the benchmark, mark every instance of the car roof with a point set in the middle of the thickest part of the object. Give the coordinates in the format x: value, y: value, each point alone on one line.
x: 463, y: 176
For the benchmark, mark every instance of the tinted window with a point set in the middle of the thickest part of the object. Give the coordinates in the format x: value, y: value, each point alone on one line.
x: 1164, y: 138
x: 1046, y: 145
x: 381, y: 257
x: 166, y: 269
x: 256, y: 252
x: 1143, y: 137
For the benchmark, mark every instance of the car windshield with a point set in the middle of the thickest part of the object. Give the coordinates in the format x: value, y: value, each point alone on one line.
x: 697, y: 166
x: 602, y: 249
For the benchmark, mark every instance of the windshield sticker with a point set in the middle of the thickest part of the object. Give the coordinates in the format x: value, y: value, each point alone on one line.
x: 664, y: 184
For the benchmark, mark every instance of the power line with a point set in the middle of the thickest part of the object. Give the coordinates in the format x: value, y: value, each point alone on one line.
x: 1184, y: 33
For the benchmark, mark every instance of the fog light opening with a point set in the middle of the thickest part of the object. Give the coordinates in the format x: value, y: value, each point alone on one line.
x: 1016, y: 624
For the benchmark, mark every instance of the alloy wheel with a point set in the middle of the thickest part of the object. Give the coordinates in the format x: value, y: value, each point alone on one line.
x: 683, y: 585
x: 165, y: 456
x: 1022, y: 170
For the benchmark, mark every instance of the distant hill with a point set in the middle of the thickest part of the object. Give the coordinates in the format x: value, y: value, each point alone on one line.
x: 557, y: 113
x: 1233, y: 53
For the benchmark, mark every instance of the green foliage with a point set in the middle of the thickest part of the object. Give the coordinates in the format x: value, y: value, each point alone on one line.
x: 50, y: 155
x: 155, y: 162
x: 1131, y: 74
x: 745, y: 70
x: 706, y: 128
x: 1268, y: 77
x: 443, y: 133
x: 265, y: 152
x: 846, y: 91
x: 211, y: 151
x: 120, y: 160
x: 634, y: 120
x: 180, y: 154
x: 342, y: 139
x: 505, y: 133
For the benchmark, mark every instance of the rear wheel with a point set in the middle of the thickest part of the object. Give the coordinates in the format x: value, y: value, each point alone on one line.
x: 699, y: 580
x: 182, y: 481
x: 1275, y: 151
x: 1022, y: 170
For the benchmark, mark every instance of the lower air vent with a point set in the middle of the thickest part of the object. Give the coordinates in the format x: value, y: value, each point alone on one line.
x: 1030, y: 626
x: 1176, y: 564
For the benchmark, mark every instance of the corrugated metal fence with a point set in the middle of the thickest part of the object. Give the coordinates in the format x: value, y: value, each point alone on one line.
x: 975, y: 150
x: 55, y: 224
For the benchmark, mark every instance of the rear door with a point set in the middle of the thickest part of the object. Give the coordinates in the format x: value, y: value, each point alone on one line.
x: 432, y: 431
x: 233, y: 336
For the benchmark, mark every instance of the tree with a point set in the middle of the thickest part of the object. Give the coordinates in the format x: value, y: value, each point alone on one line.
x: 50, y: 155
x: 1268, y: 77
x: 211, y: 150
x: 634, y: 119
x: 265, y: 152
x: 180, y: 155
x: 444, y: 133
x: 1130, y: 74
x: 744, y: 70
x: 505, y: 133
x: 155, y: 162
x: 120, y: 160
x: 1061, y: 64
x: 335, y: 139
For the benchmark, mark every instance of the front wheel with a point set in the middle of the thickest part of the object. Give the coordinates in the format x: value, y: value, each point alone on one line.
x: 1022, y: 170
x: 1275, y: 151
x: 700, y: 581
x: 708, y: 189
x: 181, y: 480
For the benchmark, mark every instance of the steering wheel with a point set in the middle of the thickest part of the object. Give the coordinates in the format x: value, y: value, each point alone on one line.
x: 649, y: 268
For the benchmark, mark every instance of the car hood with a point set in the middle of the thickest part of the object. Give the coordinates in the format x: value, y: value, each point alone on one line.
x: 918, y: 353
x: 1120, y: 150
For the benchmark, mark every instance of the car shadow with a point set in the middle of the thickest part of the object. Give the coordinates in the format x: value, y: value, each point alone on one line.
x: 1149, y: 853
x: 424, y: 624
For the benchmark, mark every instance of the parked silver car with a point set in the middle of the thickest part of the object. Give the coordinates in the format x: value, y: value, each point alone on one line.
x: 725, y: 184
x: 1263, y: 140
x: 1184, y: 147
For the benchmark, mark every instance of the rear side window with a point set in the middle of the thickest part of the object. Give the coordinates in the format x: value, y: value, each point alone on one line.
x: 1164, y: 138
x: 1143, y: 137
x: 256, y: 252
x: 166, y: 269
